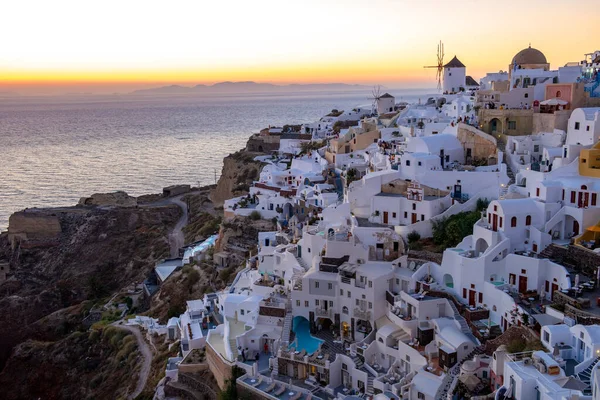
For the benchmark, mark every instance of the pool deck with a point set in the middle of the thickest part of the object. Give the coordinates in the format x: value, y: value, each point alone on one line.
x: 290, y: 391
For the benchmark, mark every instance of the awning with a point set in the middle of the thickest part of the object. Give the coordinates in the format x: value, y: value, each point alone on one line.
x: 594, y: 228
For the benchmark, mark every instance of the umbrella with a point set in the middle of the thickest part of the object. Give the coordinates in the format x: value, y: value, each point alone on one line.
x: 568, y: 382
x: 554, y: 102
x: 470, y: 381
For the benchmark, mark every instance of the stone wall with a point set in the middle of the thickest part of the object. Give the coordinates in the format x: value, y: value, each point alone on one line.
x: 219, y: 368
x: 119, y: 198
x: 263, y: 143
x: 482, y: 145
x: 196, y: 384
x: 543, y: 122
x: 32, y: 226
x: 522, y: 118
x: 577, y: 257
x: 511, y: 334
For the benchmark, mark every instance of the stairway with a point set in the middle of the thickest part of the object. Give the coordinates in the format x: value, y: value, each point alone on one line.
x: 358, y: 361
x: 301, y: 262
x: 370, y: 390
x: 511, y: 177
x: 234, y: 350
x: 585, y: 376
x: 464, y: 327
x: 453, y: 373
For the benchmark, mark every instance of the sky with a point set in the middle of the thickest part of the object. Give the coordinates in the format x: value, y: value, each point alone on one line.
x: 118, y: 46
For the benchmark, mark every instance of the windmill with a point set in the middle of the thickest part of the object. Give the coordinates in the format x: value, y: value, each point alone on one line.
x: 439, y: 66
x: 376, y: 93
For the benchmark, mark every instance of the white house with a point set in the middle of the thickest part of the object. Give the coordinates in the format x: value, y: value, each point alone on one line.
x: 584, y: 127
x: 455, y: 74
x: 385, y: 104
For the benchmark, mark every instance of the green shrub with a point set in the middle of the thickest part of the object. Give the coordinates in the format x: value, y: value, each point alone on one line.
x: 255, y: 215
x: 413, y: 237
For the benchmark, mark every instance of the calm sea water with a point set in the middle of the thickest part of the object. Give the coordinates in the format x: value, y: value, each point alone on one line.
x: 55, y: 150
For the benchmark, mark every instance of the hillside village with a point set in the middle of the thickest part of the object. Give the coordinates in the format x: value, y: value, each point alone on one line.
x: 347, y: 299
x: 437, y: 250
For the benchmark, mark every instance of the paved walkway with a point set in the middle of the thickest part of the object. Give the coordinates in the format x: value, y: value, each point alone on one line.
x: 146, y: 354
x: 176, y: 237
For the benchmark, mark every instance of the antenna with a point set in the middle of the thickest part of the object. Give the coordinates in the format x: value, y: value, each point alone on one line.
x: 439, y: 66
x: 376, y: 93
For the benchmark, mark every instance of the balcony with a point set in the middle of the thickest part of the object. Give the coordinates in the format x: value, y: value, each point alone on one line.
x: 362, y: 314
x: 360, y: 284
x: 321, y: 312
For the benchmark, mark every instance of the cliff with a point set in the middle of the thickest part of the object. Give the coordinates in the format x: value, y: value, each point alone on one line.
x: 95, y: 252
x: 239, y: 171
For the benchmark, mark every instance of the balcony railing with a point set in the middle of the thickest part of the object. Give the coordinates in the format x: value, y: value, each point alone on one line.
x: 362, y: 314
x: 321, y: 312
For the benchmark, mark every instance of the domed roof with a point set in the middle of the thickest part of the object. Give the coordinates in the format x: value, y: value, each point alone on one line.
x: 529, y: 56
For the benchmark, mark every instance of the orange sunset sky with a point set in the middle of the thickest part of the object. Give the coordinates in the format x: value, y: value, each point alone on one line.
x: 117, y: 46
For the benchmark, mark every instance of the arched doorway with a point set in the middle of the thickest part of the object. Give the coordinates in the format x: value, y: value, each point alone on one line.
x: 448, y: 281
x: 495, y: 125
x: 481, y: 246
x: 287, y: 210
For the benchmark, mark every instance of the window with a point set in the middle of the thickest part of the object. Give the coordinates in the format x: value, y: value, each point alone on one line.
x: 370, y: 306
x: 330, y: 286
x: 594, y: 198
x: 341, y: 292
x: 573, y: 197
x: 407, y: 163
x: 316, y: 285
x: 583, y: 160
x: 407, y: 357
x: 397, y: 281
x: 536, y: 148
x: 587, y: 128
x: 306, y: 303
x: 546, y: 336
x: 345, y: 310
x: 357, y: 302
x: 419, y: 163
x: 576, y: 126
x: 297, y: 303
x: 468, y: 152
x: 480, y: 297
x: 466, y: 347
x: 563, y: 195
x: 513, y: 222
x: 420, y: 395
x: 528, y: 220
x: 330, y: 303
x: 512, y: 125
x: 464, y: 293
x: 349, y: 295
x: 526, y: 95
x: 316, y: 302
x: 495, y: 208
x: 405, y: 214
x: 523, y: 271
x: 242, y: 311
x: 370, y: 284
x: 500, y: 222
x: 414, y: 206
x: 422, y: 217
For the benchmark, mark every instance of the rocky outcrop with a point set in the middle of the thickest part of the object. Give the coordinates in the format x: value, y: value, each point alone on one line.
x: 120, y: 199
x: 33, y: 228
x: 239, y: 171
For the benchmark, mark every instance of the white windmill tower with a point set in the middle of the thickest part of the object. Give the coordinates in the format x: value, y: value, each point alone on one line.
x: 376, y: 93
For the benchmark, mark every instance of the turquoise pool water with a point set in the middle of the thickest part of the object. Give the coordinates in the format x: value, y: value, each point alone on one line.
x: 498, y: 283
x: 304, y: 340
x: 457, y: 250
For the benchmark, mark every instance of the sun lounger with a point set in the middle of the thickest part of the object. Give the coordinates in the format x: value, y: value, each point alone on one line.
x: 296, y: 396
x: 270, y: 387
x: 279, y: 391
x: 258, y: 381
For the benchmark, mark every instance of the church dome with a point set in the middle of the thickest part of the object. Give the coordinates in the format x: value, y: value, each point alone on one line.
x: 529, y: 56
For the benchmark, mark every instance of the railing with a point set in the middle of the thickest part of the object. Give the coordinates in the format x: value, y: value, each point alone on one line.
x: 321, y: 312
x: 360, y: 284
x: 362, y: 314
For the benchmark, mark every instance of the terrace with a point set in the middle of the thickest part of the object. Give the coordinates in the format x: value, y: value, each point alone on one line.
x: 270, y: 388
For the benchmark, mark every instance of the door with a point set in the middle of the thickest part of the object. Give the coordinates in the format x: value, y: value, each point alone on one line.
x: 414, y: 218
x: 535, y: 248
x: 442, y: 157
x: 385, y: 217
x: 575, y: 228
x: 472, y: 295
x: 554, y: 287
x: 522, y: 284
x: 586, y: 199
x: 494, y: 222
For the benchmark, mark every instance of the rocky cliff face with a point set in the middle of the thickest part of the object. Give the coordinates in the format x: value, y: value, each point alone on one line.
x: 239, y: 171
x: 96, y: 252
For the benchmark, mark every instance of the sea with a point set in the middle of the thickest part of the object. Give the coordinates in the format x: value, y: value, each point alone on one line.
x: 55, y: 150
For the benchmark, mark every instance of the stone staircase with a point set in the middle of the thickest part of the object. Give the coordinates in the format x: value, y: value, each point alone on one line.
x: 585, y: 376
x: 511, y: 177
x: 370, y: 391
x: 301, y: 262
x: 464, y: 326
x: 234, y: 350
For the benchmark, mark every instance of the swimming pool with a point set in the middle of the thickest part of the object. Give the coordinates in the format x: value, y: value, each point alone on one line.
x: 304, y: 340
x: 498, y: 283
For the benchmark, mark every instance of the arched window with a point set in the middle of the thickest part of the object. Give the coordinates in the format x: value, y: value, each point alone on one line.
x: 345, y: 310
x: 558, y: 93
x: 528, y: 220
x: 583, y: 187
x: 513, y: 222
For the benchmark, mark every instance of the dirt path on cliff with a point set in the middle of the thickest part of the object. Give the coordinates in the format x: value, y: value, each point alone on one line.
x: 146, y: 354
x: 176, y: 237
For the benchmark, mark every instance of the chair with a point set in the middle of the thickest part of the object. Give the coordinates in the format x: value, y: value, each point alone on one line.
x: 279, y: 391
x: 270, y: 387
